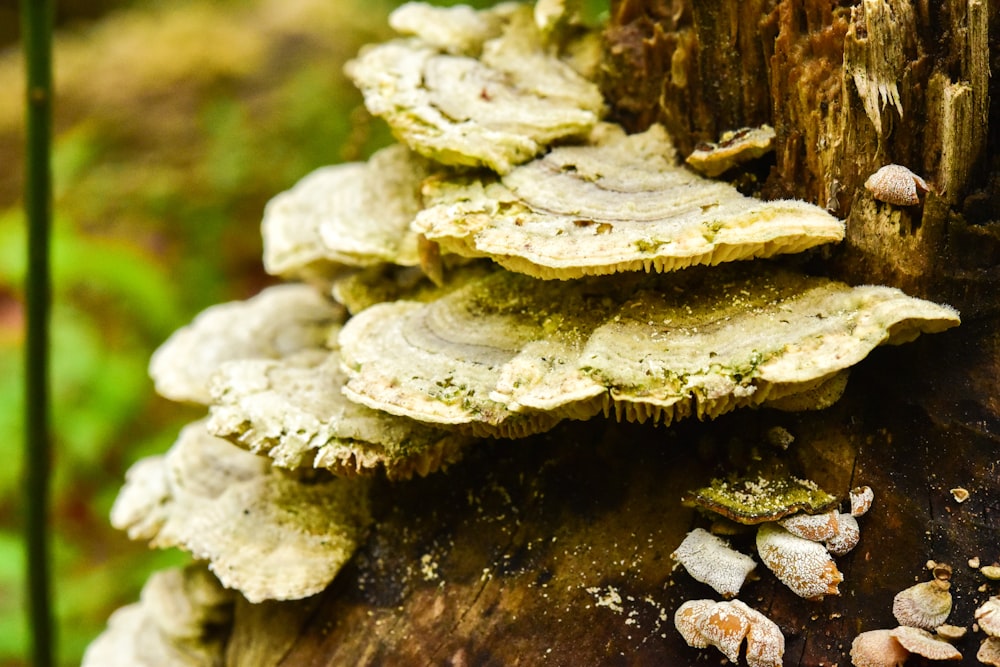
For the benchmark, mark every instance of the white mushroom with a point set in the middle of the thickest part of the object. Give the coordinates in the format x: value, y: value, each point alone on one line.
x: 498, y: 110
x: 176, y: 623
x: 619, y: 204
x: 925, y: 605
x: 277, y: 322
x: 348, y: 215
x: 877, y: 648
x: 895, y: 184
x: 725, y: 625
x: 293, y: 411
x: 923, y: 643
x: 988, y: 616
x: 861, y: 500
x: 712, y: 561
x: 265, y: 534
x: 803, y: 565
x: 522, y: 354
x: 837, y: 530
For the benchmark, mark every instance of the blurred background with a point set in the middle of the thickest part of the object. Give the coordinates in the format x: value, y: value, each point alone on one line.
x: 175, y: 122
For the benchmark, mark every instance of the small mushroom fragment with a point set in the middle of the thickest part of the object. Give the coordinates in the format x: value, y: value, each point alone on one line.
x: 293, y: 411
x: 497, y: 111
x: 279, y: 321
x: 923, y: 643
x: 523, y: 354
x: 348, y: 215
x: 989, y: 651
x: 619, y: 204
x: 765, y: 494
x: 734, y: 148
x: 897, y: 185
x: 925, y: 605
x: 802, y: 565
x: 877, y: 648
x: 988, y: 616
x: 704, y: 623
x: 459, y: 30
x: 712, y: 561
x: 837, y: 530
x: 180, y: 620
x: 268, y: 535
x: 861, y: 500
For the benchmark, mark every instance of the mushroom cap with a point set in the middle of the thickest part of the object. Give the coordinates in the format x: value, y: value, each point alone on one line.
x: 356, y: 214
x: 838, y: 531
x: 988, y: 616
x: 523, y: 354
x: 712, y: 561
x: 921, y: 642
x: 496, y: 111
x: 804, y: 566
x: 925, y: 605
x: 861, y: 500
x: 734, y: 148
x: 174, y: 624
x: 877, y: 648
x: 292, y: 410
x: 457, y: 30
x: 619, y: 204
x: 278, y: 321
x: 989, y: 651
x: 895, y: 184
x: 264, y: 533
x: 725, y: 624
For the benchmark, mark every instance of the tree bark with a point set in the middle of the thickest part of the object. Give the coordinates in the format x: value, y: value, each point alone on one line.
x: 556, y: 550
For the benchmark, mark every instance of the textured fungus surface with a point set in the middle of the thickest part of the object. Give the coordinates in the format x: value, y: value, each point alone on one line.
x: 349, y: 215
x: 519, y: 354
x: 279, y: 321
x: 619, y: 204
x: 496, y: 108
x: 269, y: 535
x: 760, y: 496
x: 179, y: 621
x: 293, y: 411
x: 712, y: 561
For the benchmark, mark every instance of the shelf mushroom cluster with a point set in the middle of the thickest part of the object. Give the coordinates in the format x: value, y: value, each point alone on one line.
x: 556, y: 244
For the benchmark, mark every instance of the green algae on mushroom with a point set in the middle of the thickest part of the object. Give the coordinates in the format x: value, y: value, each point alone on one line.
x: 293, y: 411
x: 267, y: 534
x: 280, y: 320
x: 619, y: 204
x: 760, y: 496
x: 348, y: 215
x: 495, y: 110
x: 521, y: 354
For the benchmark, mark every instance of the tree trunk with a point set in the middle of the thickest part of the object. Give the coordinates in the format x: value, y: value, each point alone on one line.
x: 556, y: 550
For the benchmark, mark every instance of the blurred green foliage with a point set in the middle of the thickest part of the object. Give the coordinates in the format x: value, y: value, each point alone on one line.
x: 176, y: 123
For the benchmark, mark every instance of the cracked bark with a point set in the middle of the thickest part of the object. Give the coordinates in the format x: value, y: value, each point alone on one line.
x: 570, y: 565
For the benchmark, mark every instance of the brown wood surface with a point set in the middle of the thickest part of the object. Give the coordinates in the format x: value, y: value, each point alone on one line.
x: 556, y: 550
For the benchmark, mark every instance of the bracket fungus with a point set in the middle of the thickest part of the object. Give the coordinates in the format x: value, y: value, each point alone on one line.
x: 618, y: 204
x: 734, y: 148
x: 348, y: 215
x: 496, y: 108
x: 176, y: 623
x: 268, y: 535
x: 291, y: 410
x: 279, y: 321
x: 523, y: 354
x: 925, y: 605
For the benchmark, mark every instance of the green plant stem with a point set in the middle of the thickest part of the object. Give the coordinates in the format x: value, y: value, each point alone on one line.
x: 36, y: 32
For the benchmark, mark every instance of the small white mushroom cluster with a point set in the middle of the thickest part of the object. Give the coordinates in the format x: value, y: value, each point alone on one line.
x: 725, y: 625
x: 919, y: 609
x: 797, y: 549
